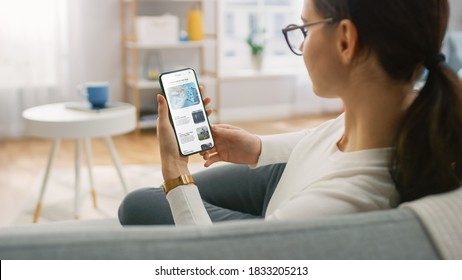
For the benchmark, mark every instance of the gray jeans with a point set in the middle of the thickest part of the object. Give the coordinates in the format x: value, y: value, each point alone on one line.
x: 229, y: 192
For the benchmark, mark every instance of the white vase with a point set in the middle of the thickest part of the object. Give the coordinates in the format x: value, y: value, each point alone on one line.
x: 257, y: 62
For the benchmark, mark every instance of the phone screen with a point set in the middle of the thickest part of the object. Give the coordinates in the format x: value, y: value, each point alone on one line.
x: 187, y: 112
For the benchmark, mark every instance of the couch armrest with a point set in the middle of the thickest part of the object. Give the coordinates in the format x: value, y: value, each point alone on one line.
x: 391, y: 234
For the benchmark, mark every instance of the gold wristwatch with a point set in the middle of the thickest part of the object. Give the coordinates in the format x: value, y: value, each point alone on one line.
x: 182, y: 180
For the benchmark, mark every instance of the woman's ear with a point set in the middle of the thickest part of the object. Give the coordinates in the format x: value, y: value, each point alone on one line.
x: 347, y: 35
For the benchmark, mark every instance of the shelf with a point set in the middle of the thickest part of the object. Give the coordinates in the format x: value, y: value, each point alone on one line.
x: 178, y: 1
x: 255, y: 74
x: 148, y: 121
x: 178, y: 45
x: 154, y: 84
x: 226, y: 76
x: 145, y: 84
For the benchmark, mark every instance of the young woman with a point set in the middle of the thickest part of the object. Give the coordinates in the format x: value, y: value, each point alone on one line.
x: 391, y: 145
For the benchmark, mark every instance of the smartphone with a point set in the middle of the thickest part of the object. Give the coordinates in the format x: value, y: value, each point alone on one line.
x: 187, y: 112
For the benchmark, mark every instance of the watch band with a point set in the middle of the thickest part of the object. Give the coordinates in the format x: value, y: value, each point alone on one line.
x: 182, y: 180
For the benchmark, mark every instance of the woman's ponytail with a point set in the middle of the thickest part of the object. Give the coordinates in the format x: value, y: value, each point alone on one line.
x: 428, y: 154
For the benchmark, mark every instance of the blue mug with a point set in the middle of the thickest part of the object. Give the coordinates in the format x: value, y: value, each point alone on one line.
x: 97, y: 93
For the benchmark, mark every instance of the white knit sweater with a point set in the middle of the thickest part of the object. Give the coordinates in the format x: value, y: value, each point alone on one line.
x: 318, y: 180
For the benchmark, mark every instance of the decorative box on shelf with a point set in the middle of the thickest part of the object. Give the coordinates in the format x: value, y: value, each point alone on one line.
x: 157, y: 30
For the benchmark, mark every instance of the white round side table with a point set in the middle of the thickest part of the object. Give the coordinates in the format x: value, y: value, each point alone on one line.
x: 57, y: 121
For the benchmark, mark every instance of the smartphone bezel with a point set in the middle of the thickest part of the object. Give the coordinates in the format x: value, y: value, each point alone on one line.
x: 170, y: 115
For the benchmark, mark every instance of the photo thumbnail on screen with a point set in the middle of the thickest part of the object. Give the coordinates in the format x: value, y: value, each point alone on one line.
x: 183, y: 96
x: 198, y: 116
x: 203, y: 133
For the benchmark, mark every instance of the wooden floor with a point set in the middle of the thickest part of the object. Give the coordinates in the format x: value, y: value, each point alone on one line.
x: 22, y: 160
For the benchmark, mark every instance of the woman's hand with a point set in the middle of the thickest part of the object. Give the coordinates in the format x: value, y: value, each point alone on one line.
x: 173, y: 164
x: 233, y: 144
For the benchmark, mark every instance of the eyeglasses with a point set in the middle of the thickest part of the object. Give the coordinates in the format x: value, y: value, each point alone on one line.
x: 295, y: 34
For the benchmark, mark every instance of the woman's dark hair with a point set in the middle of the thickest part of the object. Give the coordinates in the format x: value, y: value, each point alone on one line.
x: 406, y: 36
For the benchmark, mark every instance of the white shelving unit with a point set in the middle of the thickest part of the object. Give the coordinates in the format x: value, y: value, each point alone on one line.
x: 135, y: 53
x: 222, y: 60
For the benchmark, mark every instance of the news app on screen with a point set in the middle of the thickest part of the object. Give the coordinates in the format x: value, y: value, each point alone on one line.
x: 187, y: 111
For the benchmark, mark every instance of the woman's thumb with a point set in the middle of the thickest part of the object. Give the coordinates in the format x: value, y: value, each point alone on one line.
x: 162, y: 105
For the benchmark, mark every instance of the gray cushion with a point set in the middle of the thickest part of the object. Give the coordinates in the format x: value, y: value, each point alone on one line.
x: 453, y: 47
x: 391, y: 234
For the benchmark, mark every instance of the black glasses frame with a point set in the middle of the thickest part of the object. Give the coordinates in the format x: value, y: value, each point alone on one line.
x: 304, y: 30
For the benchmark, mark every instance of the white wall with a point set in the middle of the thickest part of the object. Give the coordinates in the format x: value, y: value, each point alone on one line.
x: 455, y: 19
x: 95, y: 44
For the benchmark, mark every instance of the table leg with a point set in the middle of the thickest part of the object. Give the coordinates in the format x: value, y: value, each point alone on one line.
x: 77, y: 180
x: 89, y: 153
x: 115, y: 159
x: 51, y: 158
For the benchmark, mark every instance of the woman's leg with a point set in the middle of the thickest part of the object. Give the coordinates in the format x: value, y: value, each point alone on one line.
x: 229, y: 192
x: 239, y: 188
x: 146, y: 206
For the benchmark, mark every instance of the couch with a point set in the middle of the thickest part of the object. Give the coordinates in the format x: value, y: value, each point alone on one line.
x: 388, y: 234
x: 452, y: 48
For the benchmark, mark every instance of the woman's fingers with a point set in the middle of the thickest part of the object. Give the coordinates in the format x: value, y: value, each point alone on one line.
x: 222, y: 126
x: 205, y: 154
x: 212, y: 159
x: 207, y: 100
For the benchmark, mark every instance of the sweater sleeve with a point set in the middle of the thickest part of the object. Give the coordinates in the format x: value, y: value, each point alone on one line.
x: 277, y: 148
x: 187, y: 207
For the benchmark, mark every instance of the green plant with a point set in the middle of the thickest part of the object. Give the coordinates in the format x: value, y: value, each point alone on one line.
x: 256, y: 42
